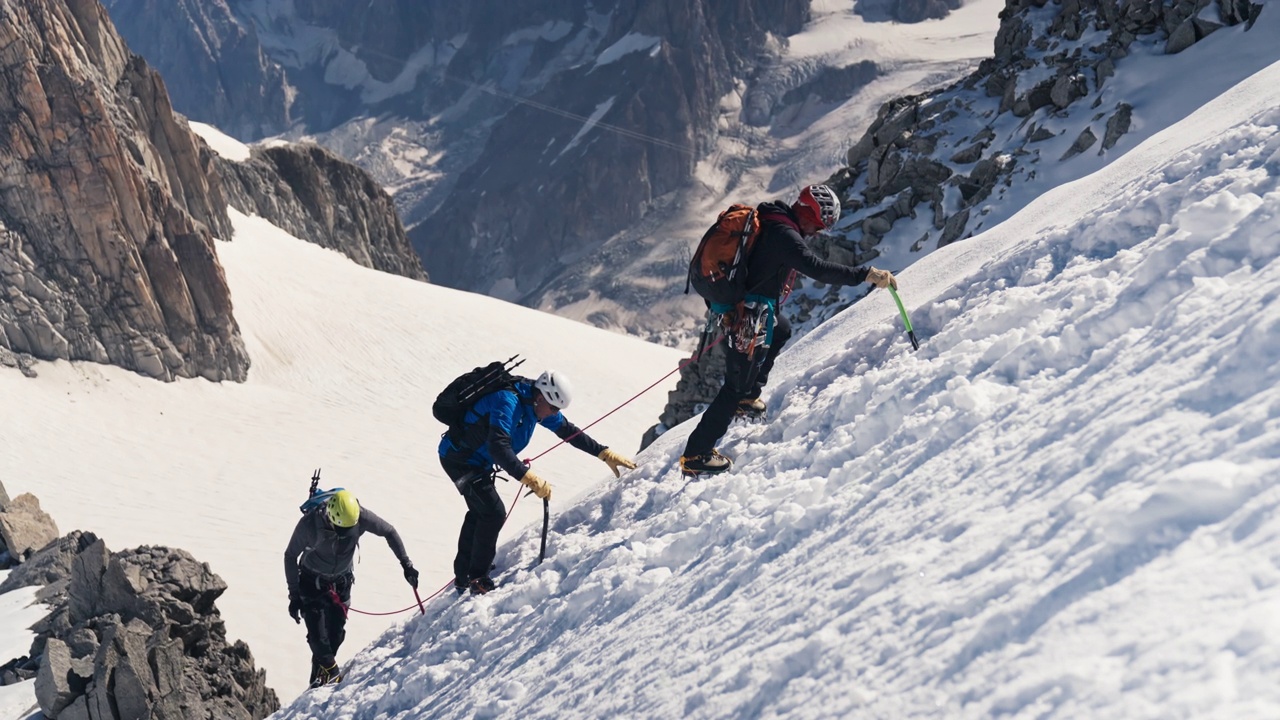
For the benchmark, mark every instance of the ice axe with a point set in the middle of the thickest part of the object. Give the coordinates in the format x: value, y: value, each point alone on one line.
x: 546, y: 522
x: 911, y: 333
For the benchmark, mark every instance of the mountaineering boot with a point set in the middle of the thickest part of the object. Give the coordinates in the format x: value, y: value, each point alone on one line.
x: 751, y: 409
x: 710, y: 464
x: 326, y: 674
x: 460, y: 585
x: 482, y: 585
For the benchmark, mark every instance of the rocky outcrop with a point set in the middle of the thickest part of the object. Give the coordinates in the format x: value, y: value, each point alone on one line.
x: 108, y: 212
x: 699, y: 382
x: 24, y: 528
x: 920, y: 146
x: 135, y: 634
x: 316, y: 195
x: 215, y: 65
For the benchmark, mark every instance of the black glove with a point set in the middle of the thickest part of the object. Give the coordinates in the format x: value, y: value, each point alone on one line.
x: 411, y: 574
x: 295, y: 608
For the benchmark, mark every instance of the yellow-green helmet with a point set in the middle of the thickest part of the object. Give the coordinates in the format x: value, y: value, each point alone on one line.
x: 343, y: 510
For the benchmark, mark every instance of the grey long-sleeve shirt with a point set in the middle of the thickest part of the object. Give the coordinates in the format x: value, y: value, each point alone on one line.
x: 319, y: 548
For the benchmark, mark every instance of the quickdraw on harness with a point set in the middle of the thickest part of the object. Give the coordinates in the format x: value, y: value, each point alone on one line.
x: 747, y: 326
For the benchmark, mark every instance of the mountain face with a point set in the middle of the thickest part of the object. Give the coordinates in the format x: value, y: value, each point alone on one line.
x: 535, y: 149
x: 1051, y: 105
x: 109, y: 206
x: 107, y: 209
x: 216, y: 63
x: 313, y: 194
x: 546, y: 190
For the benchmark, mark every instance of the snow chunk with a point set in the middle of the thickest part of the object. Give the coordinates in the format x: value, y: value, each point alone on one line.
x: 627, y: 44
x: 599, y: 112
x: 551, y: 31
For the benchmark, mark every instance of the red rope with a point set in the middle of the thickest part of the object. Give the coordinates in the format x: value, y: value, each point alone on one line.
x: 430, y: 597
x: 695, y: 358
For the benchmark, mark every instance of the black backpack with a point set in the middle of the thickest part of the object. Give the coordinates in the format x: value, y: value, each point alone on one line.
x: 456, y: 399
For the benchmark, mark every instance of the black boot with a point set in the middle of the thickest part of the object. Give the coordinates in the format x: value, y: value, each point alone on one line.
x: 325, y: 673
x: 750, y: 410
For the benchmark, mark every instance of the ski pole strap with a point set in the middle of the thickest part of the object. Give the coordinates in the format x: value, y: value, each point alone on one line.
x: 911, y: 333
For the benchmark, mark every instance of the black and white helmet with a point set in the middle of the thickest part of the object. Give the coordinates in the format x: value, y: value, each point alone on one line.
x: 555, y: 388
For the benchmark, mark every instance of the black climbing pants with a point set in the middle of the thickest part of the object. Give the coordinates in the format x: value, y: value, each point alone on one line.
x: 326, y: 620
x: 478, y: 539
x: 744, y: 378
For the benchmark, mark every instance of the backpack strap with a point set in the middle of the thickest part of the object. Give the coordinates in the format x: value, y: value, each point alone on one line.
x: 780, y: 219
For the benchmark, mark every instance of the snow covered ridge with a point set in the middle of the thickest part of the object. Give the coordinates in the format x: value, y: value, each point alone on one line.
x: 1070, y: 87
x: 936, y: 167
x: 1064, y: 505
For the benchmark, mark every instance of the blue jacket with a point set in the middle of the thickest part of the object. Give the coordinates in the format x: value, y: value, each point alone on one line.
x: 498, y: 427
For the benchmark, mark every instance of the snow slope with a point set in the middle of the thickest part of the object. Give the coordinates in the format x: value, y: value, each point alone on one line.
x: 346, y: 362
x: 1064, y: 505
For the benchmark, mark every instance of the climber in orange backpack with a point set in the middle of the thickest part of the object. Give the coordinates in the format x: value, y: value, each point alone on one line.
x: 746, y: 288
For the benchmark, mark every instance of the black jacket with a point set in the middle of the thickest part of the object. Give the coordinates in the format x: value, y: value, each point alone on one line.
x: 779, y: 249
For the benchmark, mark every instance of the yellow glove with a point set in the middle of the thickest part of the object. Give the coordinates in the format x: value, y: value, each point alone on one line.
x: 882, y: 278
x: 615, y: 461
x: 540, y: 487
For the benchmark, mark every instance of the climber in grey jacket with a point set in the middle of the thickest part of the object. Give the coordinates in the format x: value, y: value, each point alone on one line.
x: 318, y: 571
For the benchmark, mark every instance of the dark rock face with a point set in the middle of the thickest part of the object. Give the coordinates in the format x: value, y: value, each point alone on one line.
x: 136, y: 634
x: 214, y: 62
x: 533, y: 129
x: 527, y: 205
x: 907, y: 11
x: 313, y: 194
x: 107, y: 213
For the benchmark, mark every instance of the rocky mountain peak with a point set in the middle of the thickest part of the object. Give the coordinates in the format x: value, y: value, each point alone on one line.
x: 108, y: 211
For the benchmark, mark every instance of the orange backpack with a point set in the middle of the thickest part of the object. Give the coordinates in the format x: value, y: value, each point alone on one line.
x: 718, y: 271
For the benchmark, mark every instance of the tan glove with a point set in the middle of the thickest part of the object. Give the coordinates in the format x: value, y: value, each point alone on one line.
x: 615, y: 461
x: 882, y: 278
x: 540, y: 487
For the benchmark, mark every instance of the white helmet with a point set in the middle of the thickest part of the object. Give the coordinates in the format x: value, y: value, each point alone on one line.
x: 555, y: 388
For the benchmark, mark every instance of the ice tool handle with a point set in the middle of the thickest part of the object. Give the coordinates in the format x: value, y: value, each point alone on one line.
x: 911, y: 333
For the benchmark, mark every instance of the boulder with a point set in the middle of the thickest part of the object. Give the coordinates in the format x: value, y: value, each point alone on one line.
x: 137, y: 634
x: 24, y: 527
